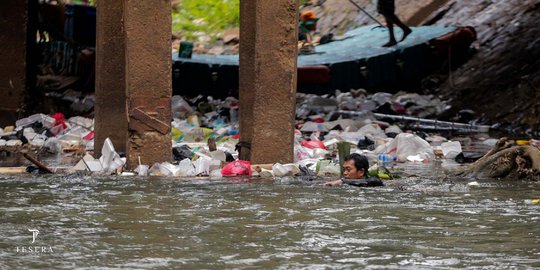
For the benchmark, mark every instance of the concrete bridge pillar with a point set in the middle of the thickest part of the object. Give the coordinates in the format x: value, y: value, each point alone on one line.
x: 14, y: 40
x: 268, y: 53
x: 144, y: 66
x: 111, y: 119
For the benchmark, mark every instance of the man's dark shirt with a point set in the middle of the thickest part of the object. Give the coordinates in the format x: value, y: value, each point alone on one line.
x: 369, y: 182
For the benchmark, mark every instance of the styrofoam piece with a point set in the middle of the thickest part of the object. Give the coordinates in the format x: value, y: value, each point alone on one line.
x: 29, y: 133
x: 373, y: 130
x: 281, y: 170
x: 37, y: 141
x: 215, y: 165
x: 351, y: 137
x: 327, y: 168
x: 349, y: 124
x: 216, y: 174
x: 319, y: 153
x: 155, y: 170
x: 29, y: 120
x: 169, y: 169
x: 393, y: 129
x: 415, y: 158
x: 84, y: 122
x: 80, y: 166
x: 186, y: 168
x: 90, y: 145
x: 332, y: 141
x: 53, y: 145
x: 88, y: 157
x: 219, y: 155
x: 142, y: 170
x: 312, y: 127
x: 94, y: 165
x: 46, y: 120
x: 266, y: 173
x: 451, y: 149
x: 14, y: 143
x: 202, y: 166
x: 110, y: 160
x: 490, y: 142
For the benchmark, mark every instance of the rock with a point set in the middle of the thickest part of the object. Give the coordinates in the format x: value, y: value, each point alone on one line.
x: 231, y: 36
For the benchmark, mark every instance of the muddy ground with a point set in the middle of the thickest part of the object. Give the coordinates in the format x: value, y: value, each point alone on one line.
x: 501, y: 82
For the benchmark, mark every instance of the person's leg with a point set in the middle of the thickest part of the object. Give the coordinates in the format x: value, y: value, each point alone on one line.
x: 406, y: 30
x: 390, y: 25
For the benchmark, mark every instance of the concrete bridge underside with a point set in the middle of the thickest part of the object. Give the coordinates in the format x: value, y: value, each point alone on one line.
x: 133, y: 76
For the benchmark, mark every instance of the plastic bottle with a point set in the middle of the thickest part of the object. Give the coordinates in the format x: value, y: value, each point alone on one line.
x: 384, y: 160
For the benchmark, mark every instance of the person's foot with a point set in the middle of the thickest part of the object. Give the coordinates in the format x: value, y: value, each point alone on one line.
x: 406, y: 32
x: 390, y: 43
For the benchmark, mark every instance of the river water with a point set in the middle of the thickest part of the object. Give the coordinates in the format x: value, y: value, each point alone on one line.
x: 430, y: 222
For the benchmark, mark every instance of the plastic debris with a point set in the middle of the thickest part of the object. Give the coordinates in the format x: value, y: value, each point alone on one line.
x: 197, y: 120
x: 407, y: 145
x: 237, y: 167
x: 186, y: 168
x: 280, y: 170
x: 110, y: 160
x: 451, y: 149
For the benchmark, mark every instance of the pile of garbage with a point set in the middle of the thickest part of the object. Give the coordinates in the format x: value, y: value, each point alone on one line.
x: 205, y: 135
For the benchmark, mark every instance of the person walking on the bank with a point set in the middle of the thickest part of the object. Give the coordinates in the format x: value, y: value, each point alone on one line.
x: 387, y: 8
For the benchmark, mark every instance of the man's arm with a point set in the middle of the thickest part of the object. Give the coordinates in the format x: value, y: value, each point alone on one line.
x: 333, y: 183
x: 370, y: 182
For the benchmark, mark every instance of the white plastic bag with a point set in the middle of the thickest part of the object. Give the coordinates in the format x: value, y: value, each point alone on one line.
x: 168, y: 169
x: 405, y: 145
x: 180, y: 108
x: 186, y: 168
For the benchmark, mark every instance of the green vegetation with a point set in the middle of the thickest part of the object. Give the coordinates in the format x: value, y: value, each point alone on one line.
x: 191, y: 18
x: 194, y: 18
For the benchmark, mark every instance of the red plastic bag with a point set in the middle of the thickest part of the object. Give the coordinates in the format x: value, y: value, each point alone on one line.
x: 237, y: 167
x: 59, y: 124
x: 313, y: 144
x: 89, y: 136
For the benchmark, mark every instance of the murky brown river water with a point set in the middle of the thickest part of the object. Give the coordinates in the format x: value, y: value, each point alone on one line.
x: 160, y: 223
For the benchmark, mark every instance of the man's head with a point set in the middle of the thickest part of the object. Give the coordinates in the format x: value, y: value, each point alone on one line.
x: 309, y: 20
x: 355, y: 166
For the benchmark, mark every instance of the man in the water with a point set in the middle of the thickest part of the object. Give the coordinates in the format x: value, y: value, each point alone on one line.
x: 355, y: 172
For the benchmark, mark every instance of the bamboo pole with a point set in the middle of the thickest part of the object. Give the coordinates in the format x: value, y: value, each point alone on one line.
x: 38, y: 163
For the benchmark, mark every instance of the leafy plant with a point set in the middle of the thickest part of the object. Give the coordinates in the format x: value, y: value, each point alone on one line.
x: 194, y: 18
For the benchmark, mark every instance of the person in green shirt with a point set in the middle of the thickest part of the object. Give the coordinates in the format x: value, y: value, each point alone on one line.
x: 307, y: 25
